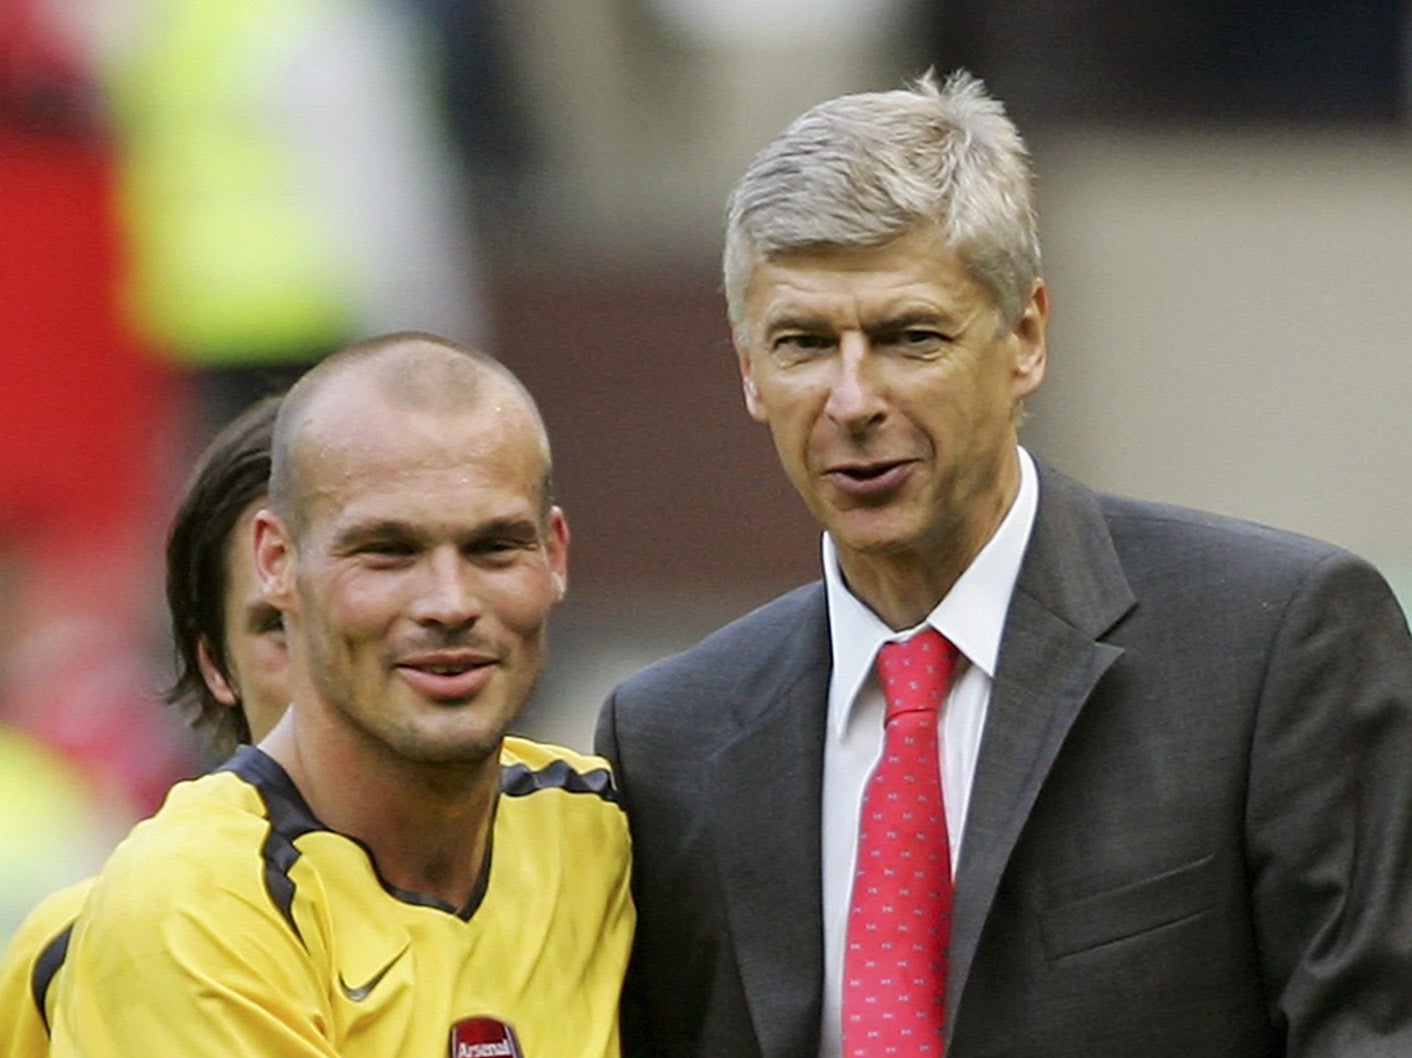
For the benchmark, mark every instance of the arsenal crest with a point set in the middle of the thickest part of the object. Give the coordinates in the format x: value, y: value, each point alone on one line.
x: 484, y: 1037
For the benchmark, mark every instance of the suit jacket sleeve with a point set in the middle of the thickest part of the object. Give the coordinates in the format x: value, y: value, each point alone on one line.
x: 1329, y: 818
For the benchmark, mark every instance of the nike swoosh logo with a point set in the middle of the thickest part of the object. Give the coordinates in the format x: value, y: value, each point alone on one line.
x: 361, y: 992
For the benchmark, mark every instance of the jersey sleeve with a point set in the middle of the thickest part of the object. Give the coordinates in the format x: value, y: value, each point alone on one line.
x: 172, y: 955
x: 27, y: 968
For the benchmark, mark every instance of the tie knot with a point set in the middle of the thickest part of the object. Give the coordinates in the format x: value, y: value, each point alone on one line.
x: 916, y: 673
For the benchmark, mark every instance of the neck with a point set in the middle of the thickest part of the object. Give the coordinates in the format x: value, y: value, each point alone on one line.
x: 902, y: 589
x: 427, y: 826
x: 903, y: 586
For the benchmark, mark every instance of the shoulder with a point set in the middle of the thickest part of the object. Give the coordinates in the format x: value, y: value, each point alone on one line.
x: 529, y: 767
x: 761, y: 646
x: 1133, y: 521
x: 199, y: 820
x: 50, y: 917
x: 192, y: 869
x: 1165, y: 573
x: 35, y: 953
x: 1193, y: 575
x: 559, y: 803
x: 207, y: 928
x: 1186, y: 551
x: 1175, y: 544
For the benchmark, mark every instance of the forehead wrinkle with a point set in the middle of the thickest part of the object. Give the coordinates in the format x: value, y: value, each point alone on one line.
x: 911, y: 278
x: 889, y: 309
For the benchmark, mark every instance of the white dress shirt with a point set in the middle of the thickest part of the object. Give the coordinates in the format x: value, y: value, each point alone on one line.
x: 972, y: 616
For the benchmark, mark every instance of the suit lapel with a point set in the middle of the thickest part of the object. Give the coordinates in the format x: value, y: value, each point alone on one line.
x: 766, y: 784
x: 766, y: 793
x: 1071, y: 590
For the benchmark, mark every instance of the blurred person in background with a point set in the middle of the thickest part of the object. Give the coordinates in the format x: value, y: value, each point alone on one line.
x: 1032, y: 770
x: 231, y: 682
x: 287, y: 185
x: 387, y: 870
x: 1333, y: 63
x: 482, y: 108
x: 51, y: 832
x: 86, y: 438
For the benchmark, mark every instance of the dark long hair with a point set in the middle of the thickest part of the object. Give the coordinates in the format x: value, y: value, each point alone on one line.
x: 232, y: 473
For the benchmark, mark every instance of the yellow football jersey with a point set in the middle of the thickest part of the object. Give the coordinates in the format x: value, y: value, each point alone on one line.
x: 27, y: 970
x: 233, y: 923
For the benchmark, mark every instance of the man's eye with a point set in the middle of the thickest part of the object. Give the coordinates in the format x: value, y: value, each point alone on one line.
x: 388, y: 547
x: 918, y: 340
x: 385, y: 551
x: 499, y: 545
x: 793, y: 347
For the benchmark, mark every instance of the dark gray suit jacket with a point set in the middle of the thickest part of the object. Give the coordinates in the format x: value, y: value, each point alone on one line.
x: 1190, y: 832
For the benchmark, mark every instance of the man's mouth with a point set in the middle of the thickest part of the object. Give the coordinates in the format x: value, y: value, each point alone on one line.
x: 443, y: 670
x: 870, y: 480
x: 447, y: 677
x: 868, y: 471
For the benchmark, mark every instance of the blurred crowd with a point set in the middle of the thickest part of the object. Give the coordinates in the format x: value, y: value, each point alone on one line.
x: 198, y: 200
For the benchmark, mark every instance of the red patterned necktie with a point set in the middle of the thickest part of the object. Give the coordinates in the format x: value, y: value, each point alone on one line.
x: 899, y: 921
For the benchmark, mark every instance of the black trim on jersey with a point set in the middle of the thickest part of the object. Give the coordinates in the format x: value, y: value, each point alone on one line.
x: 464, y: 912
x: 290, y: 819
x: 45, y: 967
x: 517, y: 780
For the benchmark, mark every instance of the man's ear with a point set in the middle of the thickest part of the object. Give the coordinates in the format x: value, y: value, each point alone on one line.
x: 748, y: 385
x: 557, y: 546
x: 216, y: 683
x: 274, y: 560
x: 1029, y: 336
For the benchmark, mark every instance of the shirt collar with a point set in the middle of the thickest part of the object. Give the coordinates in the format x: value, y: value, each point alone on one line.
x: 971, y: 615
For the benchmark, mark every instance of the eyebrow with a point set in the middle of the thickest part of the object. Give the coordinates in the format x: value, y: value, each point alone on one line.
x: 905, y: 321
x: 365, y: 532
x: 900, y: 321
x: 793, y: 323
x: 522, y: 530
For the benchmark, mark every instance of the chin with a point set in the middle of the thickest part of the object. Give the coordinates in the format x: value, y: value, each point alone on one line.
x: 457, y: 748
x: 878, y: 541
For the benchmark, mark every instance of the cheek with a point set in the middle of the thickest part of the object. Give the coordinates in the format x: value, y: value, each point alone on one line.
x: 269, y: 678
x: 956, y: 407
x: 272, y: 656
x: 789, y: 402
x: 351, y: 604
x: 522, y: 604
x: 794, y: 428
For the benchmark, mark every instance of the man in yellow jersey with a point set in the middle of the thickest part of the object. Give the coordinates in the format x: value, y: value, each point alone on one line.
x: 387, y: 873
x: 231, y: 679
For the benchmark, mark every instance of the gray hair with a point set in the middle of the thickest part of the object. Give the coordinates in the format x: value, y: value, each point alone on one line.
x: 862, y: 170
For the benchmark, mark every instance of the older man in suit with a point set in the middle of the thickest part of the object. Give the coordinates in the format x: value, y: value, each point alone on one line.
x: 1154, y: 779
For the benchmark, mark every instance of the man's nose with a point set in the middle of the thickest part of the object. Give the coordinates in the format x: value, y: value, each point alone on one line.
x: 447, y: 595
x: 856, y: 398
